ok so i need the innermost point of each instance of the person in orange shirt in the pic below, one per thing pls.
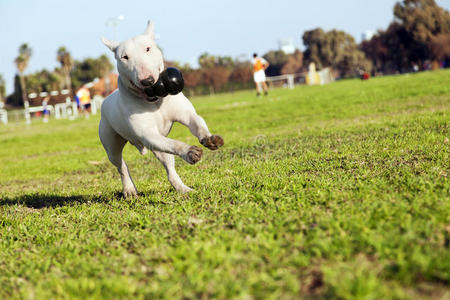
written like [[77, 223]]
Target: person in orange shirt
[[259, 66]]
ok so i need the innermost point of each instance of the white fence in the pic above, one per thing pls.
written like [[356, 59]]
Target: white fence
[[311, 77], [288, 78], [3, 116], [65, 110], [287, 81]]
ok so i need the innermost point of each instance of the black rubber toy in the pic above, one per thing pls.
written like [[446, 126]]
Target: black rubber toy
[[170, 82]]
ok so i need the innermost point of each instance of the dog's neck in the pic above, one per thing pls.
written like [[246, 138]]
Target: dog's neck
[[124, 88]]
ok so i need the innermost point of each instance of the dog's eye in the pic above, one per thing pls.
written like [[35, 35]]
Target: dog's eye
[[125, 57], [148, 49]]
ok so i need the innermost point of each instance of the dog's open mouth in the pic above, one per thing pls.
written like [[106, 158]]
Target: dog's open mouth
[[141, 92], [135, 87]]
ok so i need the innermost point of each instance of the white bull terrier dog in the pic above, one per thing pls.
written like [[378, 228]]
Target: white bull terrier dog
[[129, 115]]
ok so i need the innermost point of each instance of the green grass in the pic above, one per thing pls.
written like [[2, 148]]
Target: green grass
[[337, 191]]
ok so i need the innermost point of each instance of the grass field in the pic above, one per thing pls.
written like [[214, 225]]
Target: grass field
[[333, 192]]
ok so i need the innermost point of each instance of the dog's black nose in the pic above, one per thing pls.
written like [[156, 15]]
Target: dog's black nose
[[148, 81]]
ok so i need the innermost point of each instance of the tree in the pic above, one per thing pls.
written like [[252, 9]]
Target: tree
[[192, 77], [242, 73], [22, 61], [43, 81], [16, 98], [376, 51], [294, 63], [206, 61], [336, 49], [440, 47], [282, 63], [2, 88], [276, 60], [419, 32], [313, 41], [216, 70], [423, 19], [403, 50], [65, 59], [90, 68], [216, 77]]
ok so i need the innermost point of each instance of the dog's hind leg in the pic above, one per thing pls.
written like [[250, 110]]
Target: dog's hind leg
[[168, 161], [113, 144]]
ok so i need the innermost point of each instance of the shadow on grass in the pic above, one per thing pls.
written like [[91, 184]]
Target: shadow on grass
[[38, 201], [48, 200]]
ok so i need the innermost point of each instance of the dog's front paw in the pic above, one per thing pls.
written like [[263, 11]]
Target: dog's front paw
[[212, 142], [193, 155], [183, 189], [130, 192]]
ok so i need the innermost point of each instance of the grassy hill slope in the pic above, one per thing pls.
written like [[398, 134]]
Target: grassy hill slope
[[337, 191]]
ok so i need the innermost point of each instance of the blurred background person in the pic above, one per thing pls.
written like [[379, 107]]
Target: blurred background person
[[45, 111], [84, 97], [259, 75]]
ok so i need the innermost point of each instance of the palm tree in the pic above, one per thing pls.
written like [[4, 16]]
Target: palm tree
[[66, 61], [22, 62]]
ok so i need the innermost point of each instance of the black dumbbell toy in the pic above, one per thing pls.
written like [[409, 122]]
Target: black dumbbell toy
[[170, 82]]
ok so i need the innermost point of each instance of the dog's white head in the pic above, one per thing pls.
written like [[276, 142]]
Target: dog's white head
[[139, 60]]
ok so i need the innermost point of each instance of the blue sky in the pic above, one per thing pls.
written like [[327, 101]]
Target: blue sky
[[186, 28]]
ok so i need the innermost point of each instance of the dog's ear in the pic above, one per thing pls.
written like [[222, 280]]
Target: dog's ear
[[110, 44], [150, 31]]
